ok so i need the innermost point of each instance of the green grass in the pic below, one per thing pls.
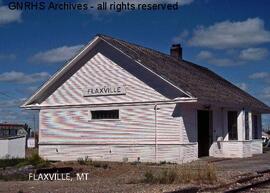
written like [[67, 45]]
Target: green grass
[[10, 162], [204, 173], [34, 160], [90, 162]]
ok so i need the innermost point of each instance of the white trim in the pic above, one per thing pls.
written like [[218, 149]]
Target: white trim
[[120, 144], [58, 73], [76, 58], [180, 100], [148, 69]]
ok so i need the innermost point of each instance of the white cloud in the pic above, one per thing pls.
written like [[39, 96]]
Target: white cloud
[[211, 58], [259, 75], [253, 54], [229, 34], [11, 103], [27, 90], [22, 78], [233, 58], [181, 37], [55, 55], [263, 76], [9, 16], [11, 113], [204, 55], [243, 86], [265, 93]]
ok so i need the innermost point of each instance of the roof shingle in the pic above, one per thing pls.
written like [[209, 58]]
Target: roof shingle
[[199, 81]]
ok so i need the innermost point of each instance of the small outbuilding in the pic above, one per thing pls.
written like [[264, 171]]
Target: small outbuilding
[[117, 101]]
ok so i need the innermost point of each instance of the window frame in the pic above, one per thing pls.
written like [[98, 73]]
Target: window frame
[[103, 119]]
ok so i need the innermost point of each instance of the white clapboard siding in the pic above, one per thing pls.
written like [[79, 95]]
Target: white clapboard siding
[[101, 71], [233, 149], [69, 133], [257, 146], [12, 148], [145, 153], [135, 126]]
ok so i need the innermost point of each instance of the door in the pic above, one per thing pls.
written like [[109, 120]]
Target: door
[[204, 119]]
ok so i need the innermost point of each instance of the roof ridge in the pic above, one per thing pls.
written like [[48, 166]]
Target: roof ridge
[[153, 50], [131, 43], [201, 72]]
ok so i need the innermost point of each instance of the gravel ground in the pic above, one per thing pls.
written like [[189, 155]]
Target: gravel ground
[[125, 177], [97, 186]]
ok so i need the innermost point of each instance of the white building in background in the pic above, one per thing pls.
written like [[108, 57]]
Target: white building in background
[[12, 147], [31, 142], [116, 100]]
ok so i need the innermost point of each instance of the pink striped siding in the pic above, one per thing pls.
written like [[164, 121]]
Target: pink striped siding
[[132, 136], [146, 153], [67, 133], [136, 126], [100, 71]]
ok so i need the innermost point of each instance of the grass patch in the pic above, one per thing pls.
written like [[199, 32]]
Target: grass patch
[[34, 160], [90, 162], [85, 161], [9, 162], [205, 173]]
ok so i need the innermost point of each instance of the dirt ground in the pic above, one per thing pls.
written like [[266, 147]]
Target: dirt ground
[[126, 177]]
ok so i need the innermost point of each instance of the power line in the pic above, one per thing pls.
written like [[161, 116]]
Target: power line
[[4, 94], [7, 95]]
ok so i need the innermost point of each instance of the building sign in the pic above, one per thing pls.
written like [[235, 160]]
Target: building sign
[[104, 90]]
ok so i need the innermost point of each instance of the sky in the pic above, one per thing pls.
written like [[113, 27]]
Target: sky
[[230, 37]]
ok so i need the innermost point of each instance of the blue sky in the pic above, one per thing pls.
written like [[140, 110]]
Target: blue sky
[[230, 37]]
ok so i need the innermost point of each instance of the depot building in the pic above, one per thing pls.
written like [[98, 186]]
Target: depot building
[[118, 101]]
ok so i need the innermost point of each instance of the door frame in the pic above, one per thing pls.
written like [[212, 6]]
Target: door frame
[[202, 153]]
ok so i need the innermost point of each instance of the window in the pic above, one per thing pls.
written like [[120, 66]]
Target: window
[[232, 125], [13, 132], [105, 114], [4, 132], [246, 126]]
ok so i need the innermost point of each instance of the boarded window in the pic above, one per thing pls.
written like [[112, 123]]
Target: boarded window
[[232, 125], [105, 114]]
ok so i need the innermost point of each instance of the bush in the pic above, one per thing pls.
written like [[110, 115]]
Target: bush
[[182, 174], [84, 161], [167, 177], [81, 161], [34, 160], [148, 177], [10, 162]]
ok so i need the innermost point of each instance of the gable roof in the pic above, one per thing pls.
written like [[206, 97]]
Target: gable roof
[[199, 82]]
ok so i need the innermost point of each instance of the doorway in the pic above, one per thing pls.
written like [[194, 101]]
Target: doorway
[[205, 138]]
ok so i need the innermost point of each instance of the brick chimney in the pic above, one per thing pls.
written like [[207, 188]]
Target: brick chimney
[[176, 51]]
